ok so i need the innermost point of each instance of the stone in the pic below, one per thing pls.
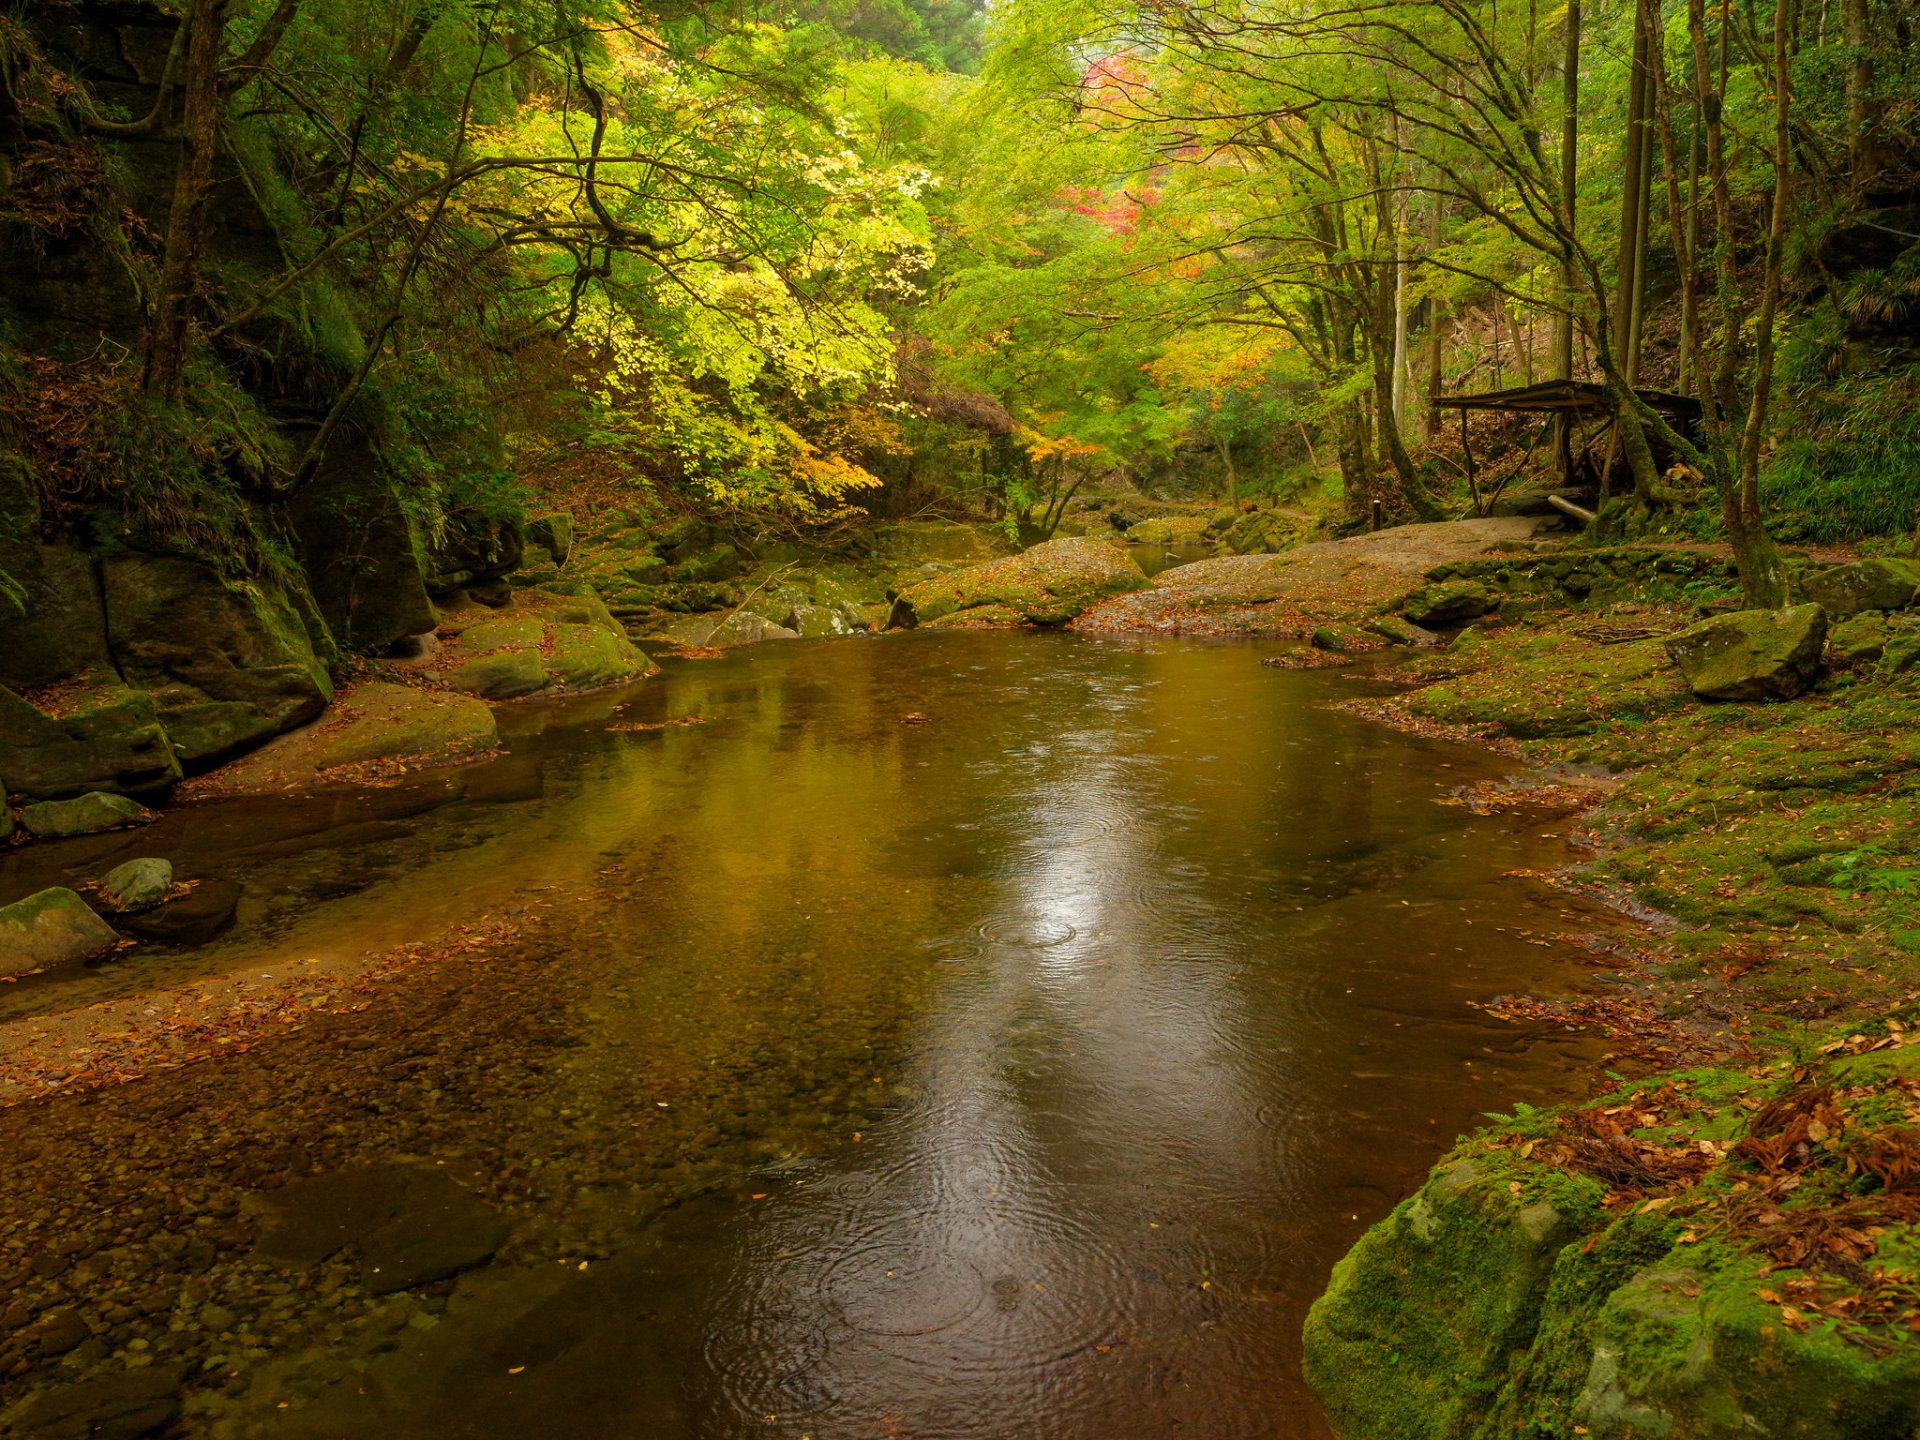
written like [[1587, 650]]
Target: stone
[[408, 1225], [1343, 640], [813, 622], [1871, 584], [61, 629], [1902, 653], [718, 562], [137, 885], [228, 665], [1397, 631], [360, 550], [107, 737], [473, 550], [1047, 585], [194, 918], [6, 817], [743, 627], [123, 1406], [377, 721], [54, 927], [553, 534], [88, 814], [1448, 602], [1752, 654], [1859, 640]]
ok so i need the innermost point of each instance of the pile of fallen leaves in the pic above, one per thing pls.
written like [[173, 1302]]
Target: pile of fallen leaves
[[1542, 796], [1823, 1170]]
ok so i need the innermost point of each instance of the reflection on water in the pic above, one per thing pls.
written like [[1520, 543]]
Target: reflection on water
[[1155, 558], [1018, 1073]]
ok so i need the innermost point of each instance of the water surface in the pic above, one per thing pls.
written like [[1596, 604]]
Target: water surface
[[956, 1036]]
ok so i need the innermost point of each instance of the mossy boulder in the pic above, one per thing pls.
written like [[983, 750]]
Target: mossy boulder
[[1262, 532], [813, 622], [360, 549], [1752, 654], [53, 927], [105, 737], [1535, 685], [1902, 653], [61, 631], [380, 724], [229, 664], [1168, 530], [553, 534], [1414, 1336], [1860, 640], [474, 549], [1447, 602], [1872, 584], [560, 637], [717, 562], [1396, 631], [89, 814], [1345, 640], [1047, 585]]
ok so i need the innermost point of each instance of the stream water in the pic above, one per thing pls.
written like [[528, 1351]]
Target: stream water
[[955, 1035]]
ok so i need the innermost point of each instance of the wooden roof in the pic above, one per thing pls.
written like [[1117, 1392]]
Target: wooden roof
[[1583, 397]]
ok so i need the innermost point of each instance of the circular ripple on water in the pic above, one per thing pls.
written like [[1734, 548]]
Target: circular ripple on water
[[776, 1352], [883, 1286], [1027, 932]]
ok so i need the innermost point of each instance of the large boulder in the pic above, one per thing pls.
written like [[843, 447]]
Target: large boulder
[[193, 918], [1872, 584], [380, 725], [361, 551], [228, 665], [59, 630], [105, 737], [563, 638], [1752, 654], [53, 927], [475, 549], [1448, 602], [90, 814], [1047, 585]]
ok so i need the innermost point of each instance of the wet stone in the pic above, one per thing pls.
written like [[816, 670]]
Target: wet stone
[[117, 1407], [137, 885], [193, 919], [408, 1225]]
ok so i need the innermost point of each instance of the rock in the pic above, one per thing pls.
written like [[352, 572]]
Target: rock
[[360, 550], [409, 1225], [1752, 654], [1343, 640], [53, 927], [1397, 631], [1872, 584], [812, 622], [90, 814], [553, 534], [1262, 532], [194, 918], [1448, 602], [137, 885], [1902, 653], [1168, 530], [560, 637], [473, 550], [123, 1406], [62, 630], [1858, 641], [745, 628], [1047, 585], [228, 666], [718, 562], [106, 738], [372, 722]]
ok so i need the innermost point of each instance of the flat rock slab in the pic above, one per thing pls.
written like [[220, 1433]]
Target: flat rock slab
[[90, 814], [1294, 593], [409, 1225], [119, 1407], [190, 919], [376, 722]]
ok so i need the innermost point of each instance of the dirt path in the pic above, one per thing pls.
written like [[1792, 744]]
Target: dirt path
[[1294, 592]]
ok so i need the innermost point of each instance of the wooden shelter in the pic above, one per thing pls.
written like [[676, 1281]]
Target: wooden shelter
[[1587, 409]]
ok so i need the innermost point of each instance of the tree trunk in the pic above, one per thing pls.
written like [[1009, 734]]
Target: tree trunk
[[167, 339], [1862, 111]]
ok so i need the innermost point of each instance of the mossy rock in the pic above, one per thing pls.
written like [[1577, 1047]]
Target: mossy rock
[[1537, 685], [1860, 640], [1047, 585], [1752, 654], [376, 722], [107, 737], [1875, 583], [90, 814], [62, 629], [1414, 1336], [1396, 631], [1447, 602], [53, 927]]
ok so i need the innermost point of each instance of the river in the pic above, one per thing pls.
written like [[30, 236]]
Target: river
[[950, 1036]]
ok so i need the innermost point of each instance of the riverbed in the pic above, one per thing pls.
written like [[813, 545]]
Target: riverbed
[[945, 1035]]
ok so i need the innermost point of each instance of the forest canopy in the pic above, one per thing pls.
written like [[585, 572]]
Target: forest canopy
[[791, 263]]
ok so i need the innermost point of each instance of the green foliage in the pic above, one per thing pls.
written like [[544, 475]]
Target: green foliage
[[1848, 463]]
